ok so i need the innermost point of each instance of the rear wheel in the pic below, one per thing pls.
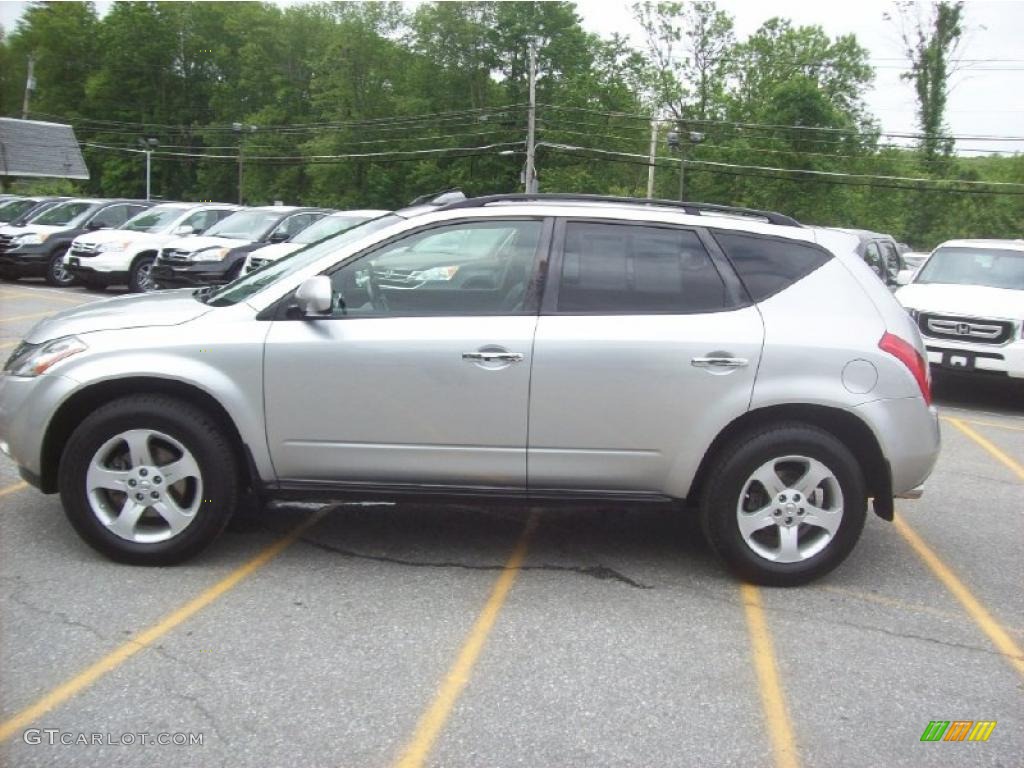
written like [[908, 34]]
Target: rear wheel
[[149, 480], [784, 505], [56, 273], [139, 279]]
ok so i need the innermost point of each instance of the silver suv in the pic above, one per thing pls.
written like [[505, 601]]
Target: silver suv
[[541, 346]]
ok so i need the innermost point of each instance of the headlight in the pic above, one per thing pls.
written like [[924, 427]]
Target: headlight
[[36, 359], [434, 273], [209, 254], [34, 238], [114, 245]]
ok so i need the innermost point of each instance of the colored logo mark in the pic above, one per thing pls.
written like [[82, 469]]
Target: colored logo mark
[[958, 730]]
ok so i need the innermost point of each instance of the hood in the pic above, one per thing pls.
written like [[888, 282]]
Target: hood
[[41, 228], [148, 309], [276, 250], [193, 243], [133, 241], [971, 300]]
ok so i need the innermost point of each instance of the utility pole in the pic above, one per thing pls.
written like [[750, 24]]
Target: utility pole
[[531, 125], [30, 85], [240, 129], [679, 140], [147, 146], [654, 152]]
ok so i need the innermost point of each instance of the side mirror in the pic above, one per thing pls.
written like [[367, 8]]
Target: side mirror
[[96, 224], [279, 237], [314, 296], [905, 276], [184, 229]]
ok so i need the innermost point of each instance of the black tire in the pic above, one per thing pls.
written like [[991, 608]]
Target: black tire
[[56, 275], [737, 463], [190, 426], [135, 277]]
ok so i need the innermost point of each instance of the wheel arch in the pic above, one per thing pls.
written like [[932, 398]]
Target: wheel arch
[[148, 252], [79, 405], [852, 431]]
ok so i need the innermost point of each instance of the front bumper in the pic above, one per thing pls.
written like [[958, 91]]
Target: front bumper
[[105, 266], [25, 261], [26, 406], [190, 275], [965, 357]]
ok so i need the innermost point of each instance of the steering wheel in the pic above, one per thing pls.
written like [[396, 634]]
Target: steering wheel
[[377, 300]]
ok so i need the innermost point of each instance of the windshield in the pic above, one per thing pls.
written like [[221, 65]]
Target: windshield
[[12, 209], [256, 281], [245, 225], [326, 227], [991, 267], [155, 219], [65, 213]]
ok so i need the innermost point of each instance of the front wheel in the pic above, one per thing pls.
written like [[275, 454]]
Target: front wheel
[[784, 505], [148, 480], [56, 273], [140, 280]]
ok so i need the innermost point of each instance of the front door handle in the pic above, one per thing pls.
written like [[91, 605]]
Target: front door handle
[[719, 362], [493, 357]]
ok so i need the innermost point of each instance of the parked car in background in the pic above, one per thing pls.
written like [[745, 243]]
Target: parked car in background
[[124, 256], [17, 213], [912, 262], [218, 256], [728, 358], [328, 226], [968, 302], [38, 248], [880, 252]]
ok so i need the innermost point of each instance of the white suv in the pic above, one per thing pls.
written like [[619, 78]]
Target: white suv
[[125, 255], [968, 302]]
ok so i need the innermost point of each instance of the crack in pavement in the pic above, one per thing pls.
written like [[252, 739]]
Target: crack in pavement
[[59, 615], [206, 713], [601, 572]]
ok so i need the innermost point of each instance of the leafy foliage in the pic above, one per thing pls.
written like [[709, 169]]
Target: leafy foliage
[[371, 104]]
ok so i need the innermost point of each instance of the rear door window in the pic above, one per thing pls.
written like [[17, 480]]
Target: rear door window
[[626, 268]]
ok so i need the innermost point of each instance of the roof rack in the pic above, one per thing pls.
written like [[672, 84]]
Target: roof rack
[[694, 209]]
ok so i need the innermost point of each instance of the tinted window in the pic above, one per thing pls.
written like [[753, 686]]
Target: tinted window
[[480, 268], [64, 213], [295, 224], [621, 268], [767, 265]]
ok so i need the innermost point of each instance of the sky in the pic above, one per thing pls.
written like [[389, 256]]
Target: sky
[[979, 104]]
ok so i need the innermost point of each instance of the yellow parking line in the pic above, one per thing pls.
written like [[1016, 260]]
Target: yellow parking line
[[1016, 468], [430, 724], [996, 424], [146, 638], [14, 488], [999, 637], [25, 317], [772, 700]]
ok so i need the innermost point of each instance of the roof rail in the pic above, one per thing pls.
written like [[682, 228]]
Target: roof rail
[[694, 209]]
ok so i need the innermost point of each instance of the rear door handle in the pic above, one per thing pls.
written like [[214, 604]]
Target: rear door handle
[[493, 357], [719, 362]]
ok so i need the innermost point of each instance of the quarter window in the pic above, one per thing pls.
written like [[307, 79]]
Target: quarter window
[[766, 265], [632, 269], [479, 268]]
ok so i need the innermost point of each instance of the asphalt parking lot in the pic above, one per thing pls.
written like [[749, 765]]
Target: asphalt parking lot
[[383, 635]]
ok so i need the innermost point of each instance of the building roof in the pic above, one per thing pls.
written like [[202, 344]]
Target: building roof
[[36, 148]]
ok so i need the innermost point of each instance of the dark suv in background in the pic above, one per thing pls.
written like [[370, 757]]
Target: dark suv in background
[[38, 249], [217, 257], [881, 252]]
